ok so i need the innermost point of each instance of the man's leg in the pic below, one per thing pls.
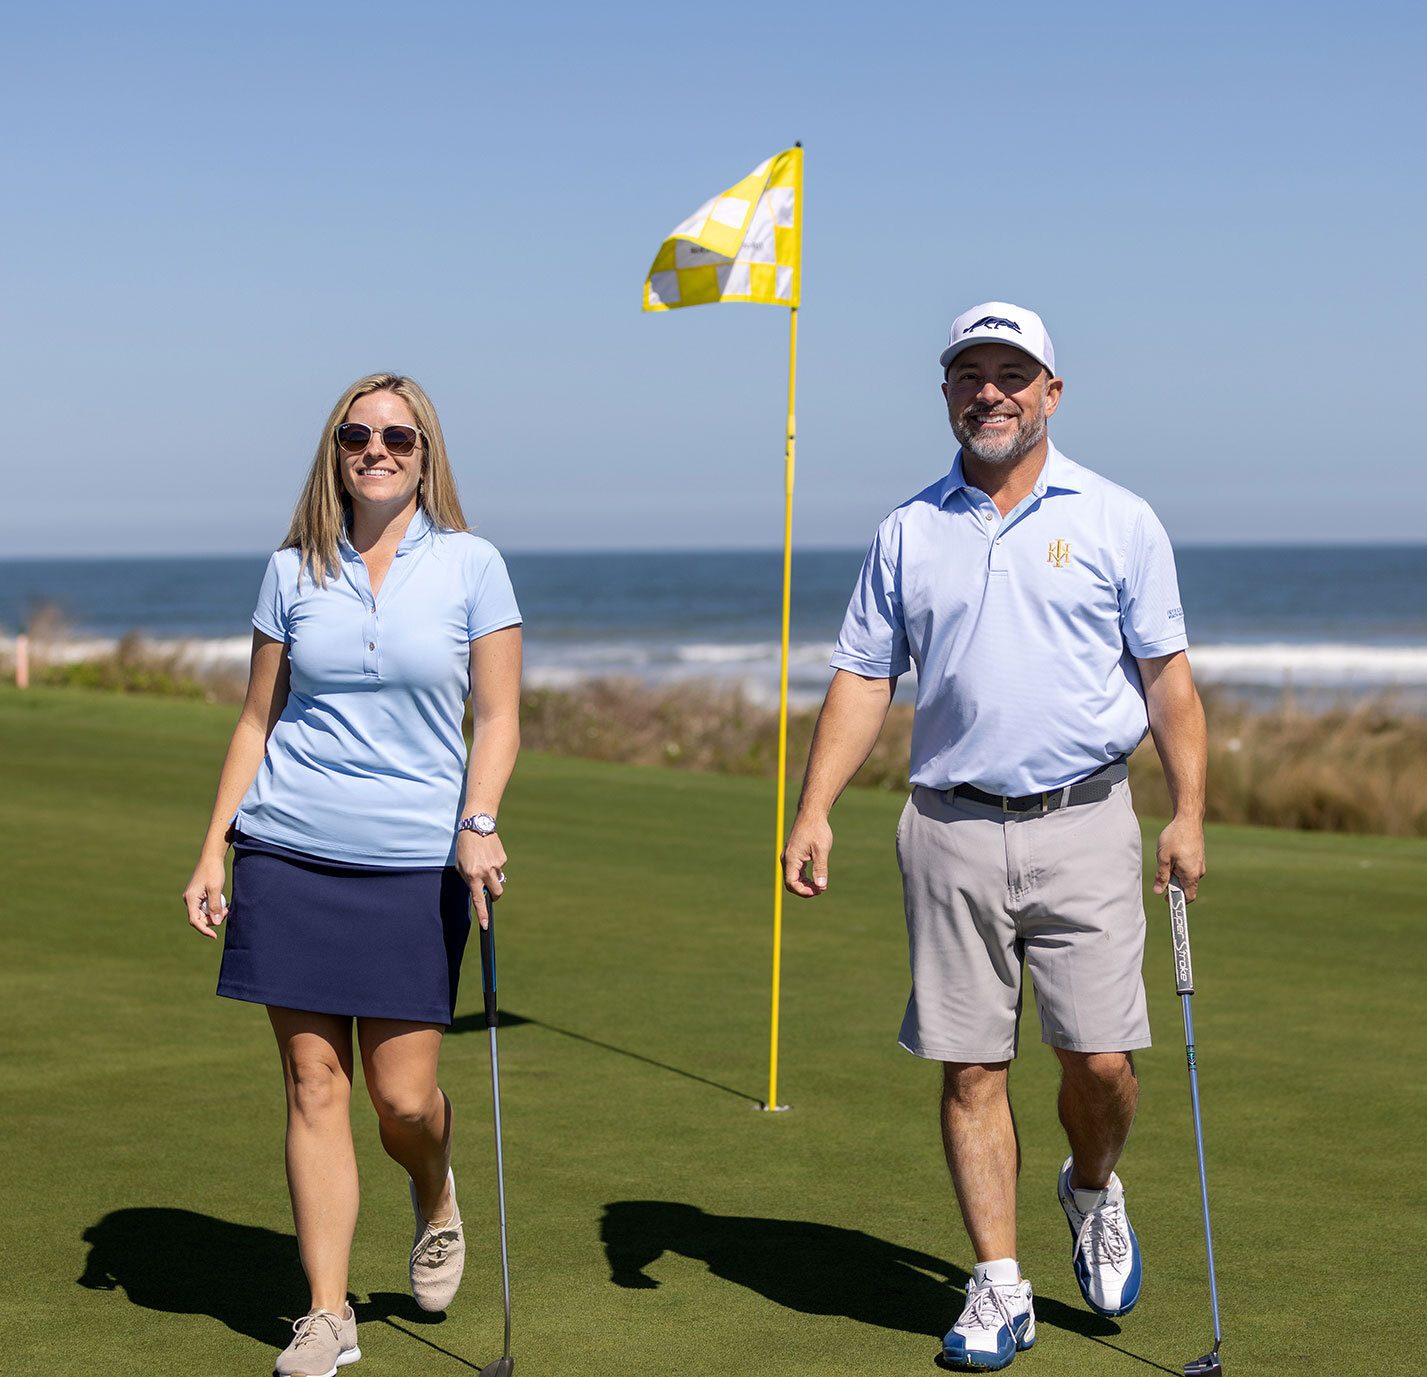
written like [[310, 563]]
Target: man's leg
[[1084, 931], [966, 989], [983, 1153], [1098, 1095]]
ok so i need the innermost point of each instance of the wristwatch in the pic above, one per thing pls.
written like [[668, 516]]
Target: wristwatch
[[482, 824]]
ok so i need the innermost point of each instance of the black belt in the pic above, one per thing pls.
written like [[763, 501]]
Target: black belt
[[1094, 788]]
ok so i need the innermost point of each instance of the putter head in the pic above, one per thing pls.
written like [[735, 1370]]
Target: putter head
[[502, 1367], [1207, 1366]]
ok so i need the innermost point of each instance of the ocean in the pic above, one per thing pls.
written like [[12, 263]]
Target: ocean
[[1328, 623]]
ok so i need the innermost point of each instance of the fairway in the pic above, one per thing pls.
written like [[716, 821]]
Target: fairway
[[658, 1223]]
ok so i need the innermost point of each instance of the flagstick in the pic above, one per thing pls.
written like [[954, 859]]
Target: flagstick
[[772, 1101]]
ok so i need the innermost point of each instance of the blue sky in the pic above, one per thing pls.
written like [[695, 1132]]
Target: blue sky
[[218, 215]]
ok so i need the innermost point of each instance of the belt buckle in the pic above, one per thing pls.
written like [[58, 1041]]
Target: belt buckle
[[1005, 803]]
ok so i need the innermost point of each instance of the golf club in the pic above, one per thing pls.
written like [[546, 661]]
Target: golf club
[[503, 1366], [1209, 1365]]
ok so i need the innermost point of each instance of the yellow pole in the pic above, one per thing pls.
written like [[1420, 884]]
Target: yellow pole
[[772, 1102]]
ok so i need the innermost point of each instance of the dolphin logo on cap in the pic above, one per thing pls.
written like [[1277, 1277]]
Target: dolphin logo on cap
[[992, 323]]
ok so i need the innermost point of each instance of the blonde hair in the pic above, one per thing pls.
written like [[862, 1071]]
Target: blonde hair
[[321, 512]]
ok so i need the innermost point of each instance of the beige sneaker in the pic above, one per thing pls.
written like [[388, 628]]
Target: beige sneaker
[[438, 1255], [322, 1342]]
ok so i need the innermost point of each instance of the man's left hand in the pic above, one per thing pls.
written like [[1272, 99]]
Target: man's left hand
[[1180, 853]]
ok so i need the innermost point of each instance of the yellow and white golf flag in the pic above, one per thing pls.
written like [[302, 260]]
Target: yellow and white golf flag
[[745, 245]]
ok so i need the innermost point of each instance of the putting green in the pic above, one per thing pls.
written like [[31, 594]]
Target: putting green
[[659, 1223]]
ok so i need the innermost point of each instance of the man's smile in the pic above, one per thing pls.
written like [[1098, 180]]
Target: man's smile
[[994, 420]]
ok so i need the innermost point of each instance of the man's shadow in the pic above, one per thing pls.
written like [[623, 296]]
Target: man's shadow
[[243, 1276], [817, 1269]]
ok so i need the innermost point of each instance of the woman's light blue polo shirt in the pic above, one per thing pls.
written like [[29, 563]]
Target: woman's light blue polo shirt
[[367, 762], [1024, 629]]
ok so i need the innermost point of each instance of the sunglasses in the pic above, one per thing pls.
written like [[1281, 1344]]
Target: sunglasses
[[354, 437]]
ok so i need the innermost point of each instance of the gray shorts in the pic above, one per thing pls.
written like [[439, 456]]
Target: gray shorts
[[985, 891]]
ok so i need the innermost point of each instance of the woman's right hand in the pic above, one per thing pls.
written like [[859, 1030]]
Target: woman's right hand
[[206, 885]]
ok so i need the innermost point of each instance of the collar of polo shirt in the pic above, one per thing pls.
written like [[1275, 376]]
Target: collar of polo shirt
[[1057, 472], [417, 530]]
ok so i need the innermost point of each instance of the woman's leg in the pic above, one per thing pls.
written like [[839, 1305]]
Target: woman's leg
[[316, 1051], [399, 1061]]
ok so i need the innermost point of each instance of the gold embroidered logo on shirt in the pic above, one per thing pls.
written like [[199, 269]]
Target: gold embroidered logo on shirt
[[1058, 554]]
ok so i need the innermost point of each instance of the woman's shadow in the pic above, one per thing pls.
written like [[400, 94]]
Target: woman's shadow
[[183, 1263]]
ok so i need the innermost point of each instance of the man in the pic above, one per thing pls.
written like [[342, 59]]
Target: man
[[1039, 603]]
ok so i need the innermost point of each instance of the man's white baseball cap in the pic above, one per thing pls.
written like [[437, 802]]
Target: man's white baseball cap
[[998, 322]]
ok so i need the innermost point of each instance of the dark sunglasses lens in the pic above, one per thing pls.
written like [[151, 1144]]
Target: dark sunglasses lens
[[351, 435], [399, 439]]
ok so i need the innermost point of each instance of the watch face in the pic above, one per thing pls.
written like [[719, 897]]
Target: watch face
[[484, 824]]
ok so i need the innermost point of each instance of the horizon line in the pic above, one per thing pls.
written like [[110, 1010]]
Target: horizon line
[[816, 547]]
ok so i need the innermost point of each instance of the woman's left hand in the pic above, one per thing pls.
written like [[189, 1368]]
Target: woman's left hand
[[480, 861]]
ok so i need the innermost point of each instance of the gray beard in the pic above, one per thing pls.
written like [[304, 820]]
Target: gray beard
[[1002, 449]]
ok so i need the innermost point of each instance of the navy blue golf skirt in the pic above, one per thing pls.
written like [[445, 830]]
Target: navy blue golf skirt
[[308, 933]]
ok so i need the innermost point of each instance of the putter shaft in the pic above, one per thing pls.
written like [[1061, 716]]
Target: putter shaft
[[1203, 1175], [505, 1365], [1184, 987], [500, 1189]]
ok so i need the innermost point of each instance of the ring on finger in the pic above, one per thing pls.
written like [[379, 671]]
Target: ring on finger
[[500, 877]]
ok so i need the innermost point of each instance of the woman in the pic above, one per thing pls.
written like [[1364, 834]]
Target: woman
[[362, 838]]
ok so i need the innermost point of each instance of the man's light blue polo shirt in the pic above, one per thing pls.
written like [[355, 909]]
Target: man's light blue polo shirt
[[367, 762], [1024, 630]]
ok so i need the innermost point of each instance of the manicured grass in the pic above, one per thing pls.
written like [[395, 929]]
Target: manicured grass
[[658, 1223]]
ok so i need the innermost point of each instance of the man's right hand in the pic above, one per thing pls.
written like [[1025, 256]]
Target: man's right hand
[[805, 856], [852, 715]]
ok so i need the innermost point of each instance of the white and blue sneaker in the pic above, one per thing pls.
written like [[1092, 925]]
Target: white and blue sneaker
[[996, 1323], [1105, 1251]]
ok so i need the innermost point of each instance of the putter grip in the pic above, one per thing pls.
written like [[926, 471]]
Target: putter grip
[[1179, 931], [488, 965]]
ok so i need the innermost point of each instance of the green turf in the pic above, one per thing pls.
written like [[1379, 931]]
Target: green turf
[[658, 1222]]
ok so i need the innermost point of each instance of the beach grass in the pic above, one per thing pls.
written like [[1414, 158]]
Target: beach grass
[[659, 1222], [1359, 766]]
